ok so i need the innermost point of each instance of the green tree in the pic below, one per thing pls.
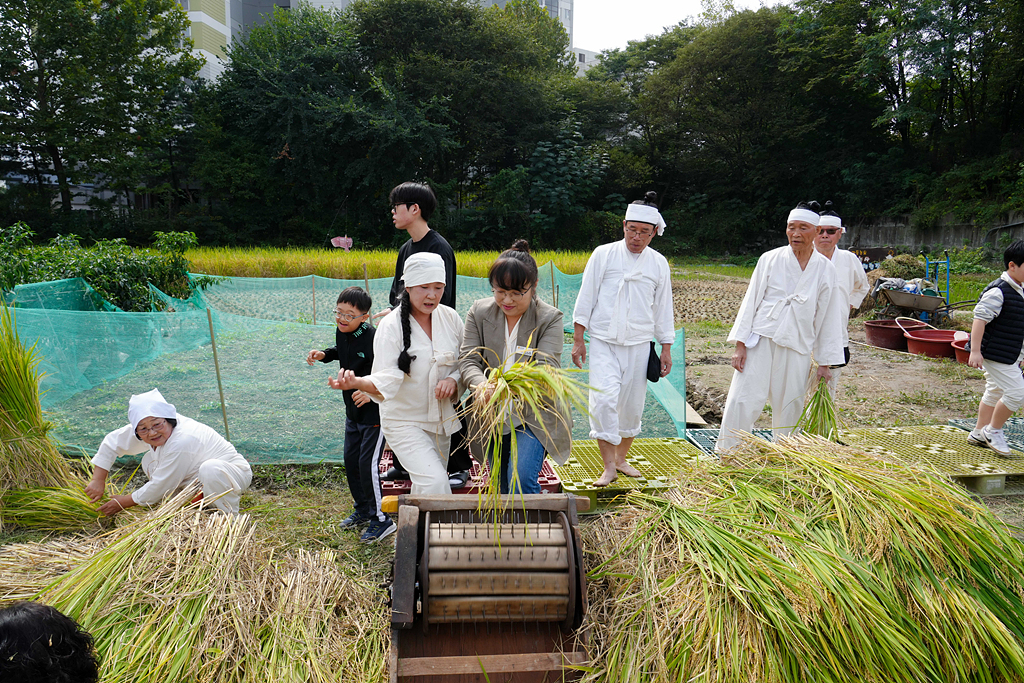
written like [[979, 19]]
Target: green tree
[[83, 85]]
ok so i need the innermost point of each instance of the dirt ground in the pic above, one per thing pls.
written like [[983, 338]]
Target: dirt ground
[[878, 388]]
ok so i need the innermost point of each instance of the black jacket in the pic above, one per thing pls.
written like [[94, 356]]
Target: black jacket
[[354, 351]]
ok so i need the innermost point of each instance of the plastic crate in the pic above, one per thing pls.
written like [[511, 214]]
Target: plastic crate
[[478, 476], [944, 447], [659, 461], [705, 439]]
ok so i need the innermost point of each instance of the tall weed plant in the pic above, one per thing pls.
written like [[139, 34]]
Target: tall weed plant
[[119, 273]]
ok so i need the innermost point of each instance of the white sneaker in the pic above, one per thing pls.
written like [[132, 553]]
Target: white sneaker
[[976, 438], [996, 441]]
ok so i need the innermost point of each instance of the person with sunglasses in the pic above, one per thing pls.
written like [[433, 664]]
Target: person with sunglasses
[[364, 442], [516, 326], [792, 310], [624, 302], [850, 278], [178, 450]]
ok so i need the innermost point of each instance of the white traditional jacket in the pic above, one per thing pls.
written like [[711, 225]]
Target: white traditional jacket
[[797, 309], [624, 298], [410, 398], [852, 282]]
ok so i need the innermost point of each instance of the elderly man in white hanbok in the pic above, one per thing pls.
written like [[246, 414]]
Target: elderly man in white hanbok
[[850, 278], [178, 450], [625, 301], [792, 309], [415, 375]]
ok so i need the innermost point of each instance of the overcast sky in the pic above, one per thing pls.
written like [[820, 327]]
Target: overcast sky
[[605, 24]]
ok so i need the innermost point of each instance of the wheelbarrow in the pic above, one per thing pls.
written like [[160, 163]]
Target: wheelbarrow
[[934, 309]]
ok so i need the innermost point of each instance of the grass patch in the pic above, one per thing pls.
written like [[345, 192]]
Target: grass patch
[[300, 262], [706, 328]]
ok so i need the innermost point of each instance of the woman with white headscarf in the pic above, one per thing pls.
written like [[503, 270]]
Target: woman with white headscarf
[[415, 375], [178, 450]]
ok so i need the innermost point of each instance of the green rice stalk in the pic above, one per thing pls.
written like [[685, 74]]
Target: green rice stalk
[[820, 416], [49, 508], [522, 388], [27, 456], [805, 561]]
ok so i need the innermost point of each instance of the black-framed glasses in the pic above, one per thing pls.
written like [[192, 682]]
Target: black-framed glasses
[[641, 233], [152, 429], [405, 204], [512, 294], [347, 317]]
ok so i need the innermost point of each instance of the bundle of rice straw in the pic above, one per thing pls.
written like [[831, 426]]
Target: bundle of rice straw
[[28, 458], [182, 595], [820, 416], [522, 387], [805, 561], [50, 508]]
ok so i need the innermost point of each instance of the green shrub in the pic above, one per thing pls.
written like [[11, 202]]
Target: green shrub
[[119, 273]]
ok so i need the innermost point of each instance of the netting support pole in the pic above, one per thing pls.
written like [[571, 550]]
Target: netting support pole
[[556, 295], [366, 278], [312, 279], [220, 385], [554, 299]]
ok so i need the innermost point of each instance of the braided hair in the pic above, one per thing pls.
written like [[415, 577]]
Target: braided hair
[[404, 359]]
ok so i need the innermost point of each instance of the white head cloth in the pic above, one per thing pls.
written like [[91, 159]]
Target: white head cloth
[[641, 213], [149, 404], [805, 215], [832, 222], [423, 268]]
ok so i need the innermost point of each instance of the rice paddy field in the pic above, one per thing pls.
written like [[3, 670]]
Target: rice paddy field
[[804, 561]]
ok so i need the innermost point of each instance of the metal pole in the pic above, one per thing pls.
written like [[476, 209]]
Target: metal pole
[[220, 386], [313, 280], [554, 299]]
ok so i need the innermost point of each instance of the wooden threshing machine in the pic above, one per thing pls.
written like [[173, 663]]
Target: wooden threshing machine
[[479, 599]]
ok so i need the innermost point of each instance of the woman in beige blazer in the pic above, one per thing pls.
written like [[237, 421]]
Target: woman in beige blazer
[[515, 325]]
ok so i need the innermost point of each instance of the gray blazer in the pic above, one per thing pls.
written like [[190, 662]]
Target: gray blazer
[[484, 337]]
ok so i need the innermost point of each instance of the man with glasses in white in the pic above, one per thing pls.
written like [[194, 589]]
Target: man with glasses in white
[[624, 302], [850, 279], [178, 450]]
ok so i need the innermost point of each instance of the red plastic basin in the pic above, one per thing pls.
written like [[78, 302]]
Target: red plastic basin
[[931, 343], [962, 354], [886, 334]]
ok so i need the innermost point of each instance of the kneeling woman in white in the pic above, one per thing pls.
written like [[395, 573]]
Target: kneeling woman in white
[[178, 451], [415, 375]]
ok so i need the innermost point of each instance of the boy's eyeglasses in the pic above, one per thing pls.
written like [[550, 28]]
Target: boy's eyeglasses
[[347, 317], [831, 231], [398, 204], [153, 428], [512, 294]]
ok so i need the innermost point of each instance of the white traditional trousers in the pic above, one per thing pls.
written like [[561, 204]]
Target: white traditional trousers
[[773, 374], [1003, 382], [618, 380], [223, 483], [423, 454]]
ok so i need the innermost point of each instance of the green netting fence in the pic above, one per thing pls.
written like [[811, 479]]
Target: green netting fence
[[279, 410]]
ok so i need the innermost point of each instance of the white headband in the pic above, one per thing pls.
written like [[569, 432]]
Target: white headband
[[641, 213], [832, 222], [805, 215], [149, 404], [423, 268]]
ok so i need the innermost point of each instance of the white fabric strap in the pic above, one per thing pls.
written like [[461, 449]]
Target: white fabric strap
[[641, 213], [776, 310], [423, 268], [805, 215]]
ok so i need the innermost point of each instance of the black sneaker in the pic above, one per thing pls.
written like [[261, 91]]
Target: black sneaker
[[378, 530], [395, 474], [354, 520]]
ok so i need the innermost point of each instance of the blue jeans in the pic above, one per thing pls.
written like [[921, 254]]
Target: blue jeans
[[529, 459]]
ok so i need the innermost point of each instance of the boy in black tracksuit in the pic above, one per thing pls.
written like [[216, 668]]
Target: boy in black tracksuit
[[364, 441]]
